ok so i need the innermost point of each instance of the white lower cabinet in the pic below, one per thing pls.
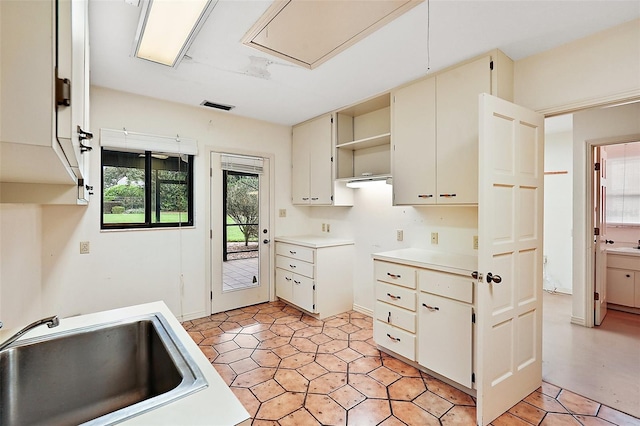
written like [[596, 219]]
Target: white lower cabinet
[[315, 274], [623, 280], [427, 315]]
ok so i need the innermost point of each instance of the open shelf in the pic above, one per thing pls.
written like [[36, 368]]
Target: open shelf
[[383, 139]]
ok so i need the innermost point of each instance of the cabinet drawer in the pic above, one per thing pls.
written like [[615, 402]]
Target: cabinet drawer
[[296, 252], [395, 274], [399, 341], [295, 265], [396, 316], [452, 286], [623, 262], [396, 295]]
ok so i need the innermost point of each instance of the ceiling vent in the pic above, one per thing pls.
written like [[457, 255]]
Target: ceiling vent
[[217, 106]]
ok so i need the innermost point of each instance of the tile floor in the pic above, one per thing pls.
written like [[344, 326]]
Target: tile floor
[[288, 368], [239, 273]]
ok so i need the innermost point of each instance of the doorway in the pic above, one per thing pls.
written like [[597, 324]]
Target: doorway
[[239, 231]]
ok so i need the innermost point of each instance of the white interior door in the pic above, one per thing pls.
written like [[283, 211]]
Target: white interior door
[[509, 288], [239, 281], [600, 237]]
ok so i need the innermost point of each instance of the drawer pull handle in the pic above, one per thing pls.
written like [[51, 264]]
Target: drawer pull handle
[[393, 297], [287, 278], [447, 195], [292, 252], [628, 276], [292, 266], [394, 276], [296, 281], [431, 308], [395, 339], [389, 318], [425, 195], [305, 198], [314, 198]]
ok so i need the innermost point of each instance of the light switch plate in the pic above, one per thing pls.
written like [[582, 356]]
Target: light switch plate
[[434, 238], [283, 213], [399, 235]]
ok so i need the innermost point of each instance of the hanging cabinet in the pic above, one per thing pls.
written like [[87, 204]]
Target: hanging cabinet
[[435, 131], [312, 180], [44, 102]]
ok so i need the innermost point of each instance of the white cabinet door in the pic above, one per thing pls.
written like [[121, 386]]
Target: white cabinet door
[[304, 292], [620, 287], [284, 284], [445, 342], [320, 166], [414, 144], [300, 176], [457, 93]]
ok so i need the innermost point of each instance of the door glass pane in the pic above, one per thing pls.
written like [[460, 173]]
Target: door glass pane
[[241, 230]]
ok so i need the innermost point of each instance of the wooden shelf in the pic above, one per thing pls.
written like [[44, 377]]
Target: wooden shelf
[[378, 140]]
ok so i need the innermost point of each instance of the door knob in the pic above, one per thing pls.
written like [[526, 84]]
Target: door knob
[[265, 241], [609, 241], [495, 278]]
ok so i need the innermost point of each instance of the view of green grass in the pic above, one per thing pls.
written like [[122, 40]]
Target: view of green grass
[[233, 232]]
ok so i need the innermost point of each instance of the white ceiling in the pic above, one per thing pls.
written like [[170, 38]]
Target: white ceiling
[[222, 70]]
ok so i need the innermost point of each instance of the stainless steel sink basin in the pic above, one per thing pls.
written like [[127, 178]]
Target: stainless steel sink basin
[[98, 375]]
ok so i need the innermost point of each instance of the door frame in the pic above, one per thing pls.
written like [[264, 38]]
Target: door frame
[[589, 266], [208, 150]]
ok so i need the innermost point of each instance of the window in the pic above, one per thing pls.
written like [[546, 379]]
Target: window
[[623, 191], [146, 189]]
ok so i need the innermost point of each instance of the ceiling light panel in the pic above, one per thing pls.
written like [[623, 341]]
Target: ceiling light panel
[[167, 28], [309, 32]]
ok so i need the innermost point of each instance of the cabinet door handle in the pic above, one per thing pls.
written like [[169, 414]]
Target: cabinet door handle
[[425, 195], [292, 266], [292, 252], [395, 339], [447, 195], [628, 276], [389, 318], [431, 308], [305, 198], [393, 297], [394, 276], [314, 198], [296, 281]]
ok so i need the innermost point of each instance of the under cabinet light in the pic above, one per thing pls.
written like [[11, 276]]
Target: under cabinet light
[[168, 27], [368, 183]]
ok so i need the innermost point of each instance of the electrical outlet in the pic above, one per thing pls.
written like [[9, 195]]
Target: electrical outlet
[[328, 228], [324, 227], [84, 247], [399, 235], [434, 238], [475, 242], [283, 213]]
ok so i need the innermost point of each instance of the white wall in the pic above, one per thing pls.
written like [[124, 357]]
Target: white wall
[[40, 245], [558, 211], [589, 125], [372, 223], [594, 70], [20, 267]]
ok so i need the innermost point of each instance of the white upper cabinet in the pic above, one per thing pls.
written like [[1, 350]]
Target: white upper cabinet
[[435, 132], [43, 101], [414, 143], [312, 180]]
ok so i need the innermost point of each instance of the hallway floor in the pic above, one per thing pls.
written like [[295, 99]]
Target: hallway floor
[[288, 368]]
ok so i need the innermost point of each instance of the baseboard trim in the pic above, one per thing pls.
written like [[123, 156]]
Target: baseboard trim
[[578, 321], [363, 310], [192, 316]]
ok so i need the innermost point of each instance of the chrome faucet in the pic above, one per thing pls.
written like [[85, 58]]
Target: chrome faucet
[[50, 321]]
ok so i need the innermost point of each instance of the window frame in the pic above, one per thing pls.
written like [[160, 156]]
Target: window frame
[[148, 199]]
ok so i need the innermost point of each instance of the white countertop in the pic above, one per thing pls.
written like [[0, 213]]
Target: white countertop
[[625, 251], [313, 241], [421, 258], [213, 405]]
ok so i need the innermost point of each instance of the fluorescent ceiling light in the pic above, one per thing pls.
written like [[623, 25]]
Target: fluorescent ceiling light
[[168, 27]]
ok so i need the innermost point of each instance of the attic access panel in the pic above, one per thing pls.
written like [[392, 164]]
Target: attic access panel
[[310, 32]]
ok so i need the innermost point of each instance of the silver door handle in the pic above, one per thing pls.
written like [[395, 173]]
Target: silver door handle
[[265, 241]]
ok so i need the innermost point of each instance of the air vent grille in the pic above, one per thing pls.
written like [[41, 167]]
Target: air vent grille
[[217, 106]]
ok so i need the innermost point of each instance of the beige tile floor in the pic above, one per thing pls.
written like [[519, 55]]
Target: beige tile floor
[[288, 368]]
